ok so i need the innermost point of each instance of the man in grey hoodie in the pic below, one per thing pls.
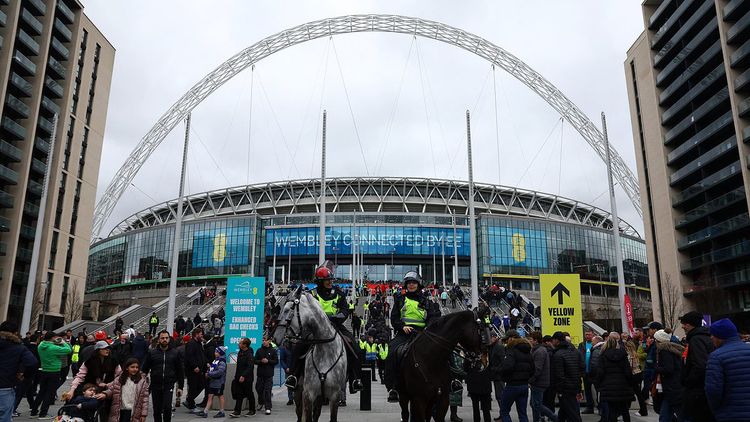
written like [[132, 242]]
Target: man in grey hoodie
[[540, 381]]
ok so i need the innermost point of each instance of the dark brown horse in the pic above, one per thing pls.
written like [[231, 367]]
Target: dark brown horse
[[425, 375]]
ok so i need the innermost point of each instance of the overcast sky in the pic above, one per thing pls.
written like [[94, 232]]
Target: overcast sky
[[407, 96]]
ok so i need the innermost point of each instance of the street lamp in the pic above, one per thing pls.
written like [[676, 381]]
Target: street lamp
[[335, 256]]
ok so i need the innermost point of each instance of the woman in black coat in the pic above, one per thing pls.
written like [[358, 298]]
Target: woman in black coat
[[615, 379], [669, 368], [479, 387]]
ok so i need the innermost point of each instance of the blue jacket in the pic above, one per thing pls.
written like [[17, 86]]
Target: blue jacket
[[728, 381], [16, 359], [217, 373]]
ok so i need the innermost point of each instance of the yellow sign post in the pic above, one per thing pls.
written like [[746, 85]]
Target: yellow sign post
[[561, 305]]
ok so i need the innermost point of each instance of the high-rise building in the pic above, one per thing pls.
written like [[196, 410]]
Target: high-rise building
[[55, 74], [688, 81]]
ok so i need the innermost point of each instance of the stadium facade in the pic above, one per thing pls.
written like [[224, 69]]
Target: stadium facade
[[397, 224]]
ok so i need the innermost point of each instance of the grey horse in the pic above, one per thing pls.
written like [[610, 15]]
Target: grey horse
[[301, 319]]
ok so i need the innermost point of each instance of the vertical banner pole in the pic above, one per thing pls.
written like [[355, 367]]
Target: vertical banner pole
[[322, 240], [472, 222]]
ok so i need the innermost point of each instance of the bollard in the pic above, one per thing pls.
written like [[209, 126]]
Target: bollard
[[365, 396]]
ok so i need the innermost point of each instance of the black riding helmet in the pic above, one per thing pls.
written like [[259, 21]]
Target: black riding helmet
[[412, 277]]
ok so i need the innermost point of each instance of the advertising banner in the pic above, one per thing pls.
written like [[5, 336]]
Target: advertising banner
[[244, 312], [629, 314], [221, 247], [561, 305], [518, 247]]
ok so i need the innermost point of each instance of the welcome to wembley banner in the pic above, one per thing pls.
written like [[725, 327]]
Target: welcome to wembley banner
[[244, 312]]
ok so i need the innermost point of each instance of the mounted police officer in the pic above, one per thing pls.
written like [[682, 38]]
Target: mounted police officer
[[333, 302], [411, 313]]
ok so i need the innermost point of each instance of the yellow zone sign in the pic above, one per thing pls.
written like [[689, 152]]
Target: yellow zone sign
[[561, 305]]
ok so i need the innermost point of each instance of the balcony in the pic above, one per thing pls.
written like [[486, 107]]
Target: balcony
[[35, 189], [10, 152], [707, 133], [41, 145], [742, 82], [676, 64], [3, 19], [23, 255], [38, 6], [739, 30], [27, 42], [30, 209], [680, 84], [661, 36], [39, 167], [743, 108], [63, 30], [659, 14], [65, 12], [741, 56], [13, 128], [22, 87], [727, 226], [27, 232], [60, 49], [718, 204], [716, 256], [695, 94], [734, 9], [8, 176], [730, 145], [25, 66], [717, 100], [50, 106], [16, 107], [53, 87], [57, 68], [707, 183], [45, 124], [4, 224], [33, 24], [3, 249], [6, 199]]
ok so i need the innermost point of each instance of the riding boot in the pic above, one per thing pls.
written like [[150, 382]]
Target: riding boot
[[355, 384], [298, 365]]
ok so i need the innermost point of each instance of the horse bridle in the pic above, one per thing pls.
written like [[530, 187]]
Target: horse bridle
[[300, 337], [458, 349]]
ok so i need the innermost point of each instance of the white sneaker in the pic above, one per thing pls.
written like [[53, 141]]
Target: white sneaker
[[268, 411]]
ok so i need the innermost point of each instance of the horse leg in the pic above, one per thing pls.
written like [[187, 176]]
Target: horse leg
[[403, 401], [317, 406], [334, 406], [443, 403], [418, 411], [307, 408]]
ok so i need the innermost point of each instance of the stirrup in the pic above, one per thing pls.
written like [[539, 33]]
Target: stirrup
[[291, 382], [456, 386], [393, 396], [355, 386]]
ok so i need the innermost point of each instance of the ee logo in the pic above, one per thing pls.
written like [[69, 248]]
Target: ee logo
[[519, 247]]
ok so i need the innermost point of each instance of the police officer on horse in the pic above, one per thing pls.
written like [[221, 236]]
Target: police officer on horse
[[411, 313], [333, 302]]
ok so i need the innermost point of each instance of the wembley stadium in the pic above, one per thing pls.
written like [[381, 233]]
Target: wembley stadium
[[393, 225]]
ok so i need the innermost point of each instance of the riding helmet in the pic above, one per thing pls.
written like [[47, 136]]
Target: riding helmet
[[324, 272], [413, 276]]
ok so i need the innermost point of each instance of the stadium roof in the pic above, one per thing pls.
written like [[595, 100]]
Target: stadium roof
[[373, 194]]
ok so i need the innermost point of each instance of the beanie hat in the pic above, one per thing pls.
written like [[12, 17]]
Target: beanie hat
[[662, 336], [693, 318], [221, 350], [9, 326], [655, 325], [723, 329]]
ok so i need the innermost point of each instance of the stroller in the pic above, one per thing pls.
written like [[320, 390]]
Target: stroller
[[71, 413]]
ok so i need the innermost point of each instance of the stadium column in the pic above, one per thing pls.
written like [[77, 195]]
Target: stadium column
[[472, 223], [177, 233], [322, 218]]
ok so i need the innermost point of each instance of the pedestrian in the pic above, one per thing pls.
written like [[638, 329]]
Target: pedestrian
[[76, 354], [596, 353], [28, 385], [16, 359], [540, 380], [496, 356], [99, 369], [285, 360], [242, 385], [382, 356], [694, 404], [165, 367], [356, 325], [668, 401], [566, 369], [584, 348], [727, 374], [635, 368], [615, 379], [217, 376], [517, 369], [51, 351], [195, 369], [83, 407], [479, 387], [139, 347], [179, 325], [153, 324], [506, 322], [648, 352], [455, 398], [266, 359], [122, 350], [129, 394]]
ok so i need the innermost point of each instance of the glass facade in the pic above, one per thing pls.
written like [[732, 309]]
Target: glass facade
[[391, 245]]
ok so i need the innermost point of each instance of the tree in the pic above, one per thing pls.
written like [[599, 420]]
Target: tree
[[37, 306], [671, 296], [73, 305]]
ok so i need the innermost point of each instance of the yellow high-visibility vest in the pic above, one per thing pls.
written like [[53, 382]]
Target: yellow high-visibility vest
[[412, 315], [371, 352]]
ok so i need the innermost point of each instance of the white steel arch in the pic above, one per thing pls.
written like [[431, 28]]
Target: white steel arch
[[346, 25]]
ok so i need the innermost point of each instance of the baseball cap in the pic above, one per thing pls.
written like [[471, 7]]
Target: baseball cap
[[101, 345]]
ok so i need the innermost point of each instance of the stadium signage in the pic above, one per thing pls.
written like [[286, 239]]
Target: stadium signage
[[244, 312], [561, 304]]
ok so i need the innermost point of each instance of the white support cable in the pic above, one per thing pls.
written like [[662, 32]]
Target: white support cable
[[211, 156], [497, 128], [279, 128], [528, 167], [346, 25], [426, 112], [250, 123]]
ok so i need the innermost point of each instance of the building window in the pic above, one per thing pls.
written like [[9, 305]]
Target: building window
[[69, 142], [64, 297], [69, 256], [74, 214], [79, 70], [92, 87], [53, 250], [47, 292], [82, 155]]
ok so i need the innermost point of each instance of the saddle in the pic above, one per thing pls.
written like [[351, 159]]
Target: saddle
[[401, 351]]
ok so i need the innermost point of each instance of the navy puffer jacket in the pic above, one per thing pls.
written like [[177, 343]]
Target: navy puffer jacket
[[728, 381]]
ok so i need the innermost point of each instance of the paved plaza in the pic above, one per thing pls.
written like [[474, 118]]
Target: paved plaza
[[381, 410]]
